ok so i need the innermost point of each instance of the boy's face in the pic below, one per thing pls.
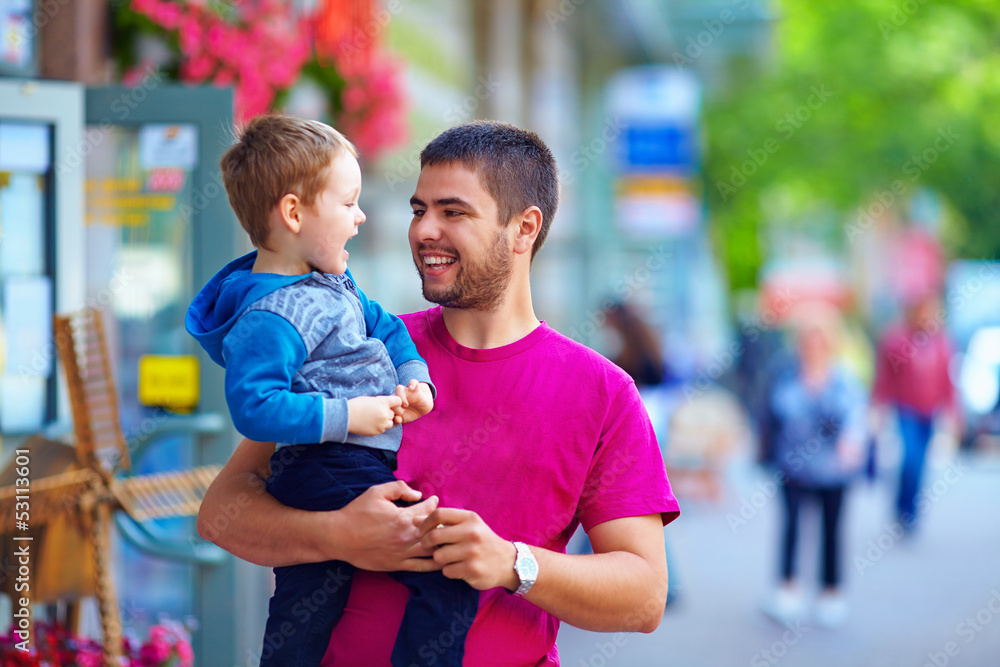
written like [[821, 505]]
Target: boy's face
[[333, 218], [464, 257]]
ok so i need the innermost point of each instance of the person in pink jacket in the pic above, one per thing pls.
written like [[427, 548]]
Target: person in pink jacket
[[911, 376]]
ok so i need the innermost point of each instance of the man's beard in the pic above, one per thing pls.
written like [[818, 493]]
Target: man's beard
[[477, 285]]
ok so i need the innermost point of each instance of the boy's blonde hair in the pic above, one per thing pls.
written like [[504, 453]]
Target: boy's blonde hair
[[275, 155]]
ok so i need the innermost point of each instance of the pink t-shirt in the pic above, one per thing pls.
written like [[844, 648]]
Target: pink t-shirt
[[537, 437]]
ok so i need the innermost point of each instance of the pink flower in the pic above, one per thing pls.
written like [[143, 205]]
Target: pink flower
[[224, 77], [154, 652], [353, 98], [166, 14], [190, 36], [185, 653], [217, 39], [159, 633], [197, 69], [143, 6], [87, 657]]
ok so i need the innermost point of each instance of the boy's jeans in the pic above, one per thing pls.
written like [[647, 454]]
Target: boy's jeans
[[310, 598]]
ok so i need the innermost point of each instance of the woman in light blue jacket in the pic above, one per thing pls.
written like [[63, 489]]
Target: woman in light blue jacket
[[815, 424]]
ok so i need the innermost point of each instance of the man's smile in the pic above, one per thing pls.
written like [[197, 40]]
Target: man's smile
[[436, 264]]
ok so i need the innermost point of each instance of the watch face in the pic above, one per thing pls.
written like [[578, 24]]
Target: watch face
[[527, 568]]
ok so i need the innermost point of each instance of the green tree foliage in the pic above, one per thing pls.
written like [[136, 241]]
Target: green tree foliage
[[862, 101]]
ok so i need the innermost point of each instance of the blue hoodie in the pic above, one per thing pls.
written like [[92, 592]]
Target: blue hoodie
[[295, 348]]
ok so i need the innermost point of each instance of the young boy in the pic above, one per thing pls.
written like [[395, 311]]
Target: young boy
[[316, 367]]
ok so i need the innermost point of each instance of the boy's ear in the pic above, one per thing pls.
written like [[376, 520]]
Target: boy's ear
[[290, 212]]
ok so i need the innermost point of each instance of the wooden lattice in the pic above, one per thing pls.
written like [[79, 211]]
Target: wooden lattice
[[167, 494], [83, 348]]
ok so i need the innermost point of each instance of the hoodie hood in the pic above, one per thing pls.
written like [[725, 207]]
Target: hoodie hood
[[221, 302]]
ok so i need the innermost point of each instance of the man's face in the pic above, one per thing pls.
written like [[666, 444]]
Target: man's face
[[463, 256]]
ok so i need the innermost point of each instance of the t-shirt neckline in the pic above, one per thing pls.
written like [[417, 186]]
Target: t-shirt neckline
[[435, 318]]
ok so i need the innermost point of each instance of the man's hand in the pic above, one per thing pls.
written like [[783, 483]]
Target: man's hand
[[466, 548], [382, 537], [416, 399], [371, 415]]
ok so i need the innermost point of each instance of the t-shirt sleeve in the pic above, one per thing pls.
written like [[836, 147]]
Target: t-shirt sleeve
[[626, 476]]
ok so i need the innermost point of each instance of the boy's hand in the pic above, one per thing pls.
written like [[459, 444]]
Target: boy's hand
[[416, 401], [371, 415], [850, 455]]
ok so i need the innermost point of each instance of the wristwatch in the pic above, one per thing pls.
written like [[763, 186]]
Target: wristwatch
[[526, 568]]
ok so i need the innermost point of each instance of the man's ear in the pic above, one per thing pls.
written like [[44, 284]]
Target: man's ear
[[529, 223], [290, 212]]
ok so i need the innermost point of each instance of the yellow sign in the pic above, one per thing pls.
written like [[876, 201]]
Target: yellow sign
[[121, 201], [170, 381]]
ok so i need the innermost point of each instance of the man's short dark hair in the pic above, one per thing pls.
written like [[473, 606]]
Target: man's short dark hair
[[514, 166]]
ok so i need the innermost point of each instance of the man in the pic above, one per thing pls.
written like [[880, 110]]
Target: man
[[531, 435]]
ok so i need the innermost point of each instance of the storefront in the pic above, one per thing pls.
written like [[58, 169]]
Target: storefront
[[111, 198]]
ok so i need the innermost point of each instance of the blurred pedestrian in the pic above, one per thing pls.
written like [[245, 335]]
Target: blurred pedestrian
[[815, 424], [640, 355], [911, 376]]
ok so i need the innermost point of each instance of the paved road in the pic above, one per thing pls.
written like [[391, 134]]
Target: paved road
[[933, 600]]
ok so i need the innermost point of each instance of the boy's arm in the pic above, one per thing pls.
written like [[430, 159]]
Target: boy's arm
[[263, 352], [371, 532], [392, 332]]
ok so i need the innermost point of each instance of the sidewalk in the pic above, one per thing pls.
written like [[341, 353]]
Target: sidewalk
[[933, 600]]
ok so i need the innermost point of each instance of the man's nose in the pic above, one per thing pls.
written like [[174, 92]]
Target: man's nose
[[427, 228]]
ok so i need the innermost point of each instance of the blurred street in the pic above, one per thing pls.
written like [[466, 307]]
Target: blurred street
[[913, 599]]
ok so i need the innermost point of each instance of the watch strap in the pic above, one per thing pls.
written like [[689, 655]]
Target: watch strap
[[526, 568]]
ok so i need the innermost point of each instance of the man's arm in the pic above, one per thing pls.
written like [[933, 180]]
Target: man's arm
[[370, 532], [622, 587]]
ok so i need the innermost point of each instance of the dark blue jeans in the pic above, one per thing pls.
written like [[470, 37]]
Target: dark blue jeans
[[309, 599], [915, 430], [831, 499]]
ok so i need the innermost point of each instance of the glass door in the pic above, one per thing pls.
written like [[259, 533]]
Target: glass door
[[138, 249], [158, 226], [27, 380]]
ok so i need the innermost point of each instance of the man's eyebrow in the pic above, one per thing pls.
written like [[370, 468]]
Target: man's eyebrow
[[445, 201], [454, 201]]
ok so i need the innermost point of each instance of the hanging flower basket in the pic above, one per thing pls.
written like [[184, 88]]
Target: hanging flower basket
[[263, 48]]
